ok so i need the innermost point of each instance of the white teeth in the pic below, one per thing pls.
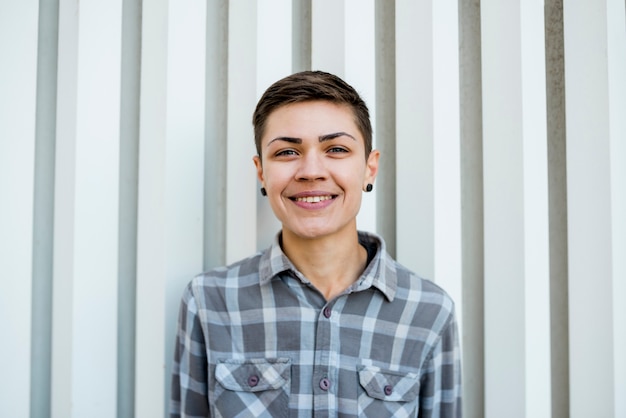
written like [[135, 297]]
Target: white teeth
[[313, 199]]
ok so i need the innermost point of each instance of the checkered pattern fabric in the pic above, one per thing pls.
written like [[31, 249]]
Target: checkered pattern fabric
[[256, 339]]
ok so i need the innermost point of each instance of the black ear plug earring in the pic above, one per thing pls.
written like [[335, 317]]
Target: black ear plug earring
[[263, 191], [369, 187]]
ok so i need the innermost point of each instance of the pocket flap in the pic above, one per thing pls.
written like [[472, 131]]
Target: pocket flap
[[253, 375], [389, 386]]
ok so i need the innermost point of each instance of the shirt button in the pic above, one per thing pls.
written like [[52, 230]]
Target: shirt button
[[253, 380], [324, 384], [327, 312], [388, 390]]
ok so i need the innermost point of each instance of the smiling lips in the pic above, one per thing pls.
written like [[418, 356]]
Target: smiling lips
[[312, 199]]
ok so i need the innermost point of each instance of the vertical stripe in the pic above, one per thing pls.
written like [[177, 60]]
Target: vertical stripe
[[18, 80], [535, 196], [385, 121], [215, 134], [129, 149], [63, 245], [328, 36], [616, 47], [150, 340], [472, 210], [241, 183], [43, 219], [96, 216], [301, 32], [414, 136], [556, 137], [503, 182], [593, 99]]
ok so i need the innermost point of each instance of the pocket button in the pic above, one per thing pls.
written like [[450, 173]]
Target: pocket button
[[253, 380]]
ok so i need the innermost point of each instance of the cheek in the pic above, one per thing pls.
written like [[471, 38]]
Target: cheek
[[357, 176], [275, 180]]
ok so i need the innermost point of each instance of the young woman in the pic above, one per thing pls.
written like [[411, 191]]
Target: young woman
[[324, 322]]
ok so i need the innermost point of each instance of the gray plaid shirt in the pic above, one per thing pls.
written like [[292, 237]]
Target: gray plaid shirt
[[255, 339]]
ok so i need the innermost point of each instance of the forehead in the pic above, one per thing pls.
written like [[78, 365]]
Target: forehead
[[311, 118]]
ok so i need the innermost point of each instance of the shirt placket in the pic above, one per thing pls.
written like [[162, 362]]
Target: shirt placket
[[324, 369]]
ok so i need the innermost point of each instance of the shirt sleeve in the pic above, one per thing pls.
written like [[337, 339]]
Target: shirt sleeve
[[440, 390], [189, 397]]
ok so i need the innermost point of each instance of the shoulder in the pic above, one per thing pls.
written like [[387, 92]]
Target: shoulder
[[431, 302], [407, 279], [399, 282], [427, 288], [239, 274]]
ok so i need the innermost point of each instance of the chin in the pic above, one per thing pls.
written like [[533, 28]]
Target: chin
[[314, 231], [309, 233]]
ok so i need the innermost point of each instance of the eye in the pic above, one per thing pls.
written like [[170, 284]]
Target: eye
[[286, 153], [336, 150]]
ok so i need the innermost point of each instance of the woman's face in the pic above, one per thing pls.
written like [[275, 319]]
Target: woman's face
[[313, 168]]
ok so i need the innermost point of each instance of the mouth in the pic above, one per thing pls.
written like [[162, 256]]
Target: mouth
[[312, 199]]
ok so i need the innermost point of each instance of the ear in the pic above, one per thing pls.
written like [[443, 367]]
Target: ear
[[259, 168], [371, 169]]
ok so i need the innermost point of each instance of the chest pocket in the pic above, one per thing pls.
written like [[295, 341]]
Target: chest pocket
[[253, 388], [387, 394]]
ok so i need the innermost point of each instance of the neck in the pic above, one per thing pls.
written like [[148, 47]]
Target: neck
[[331, 263]]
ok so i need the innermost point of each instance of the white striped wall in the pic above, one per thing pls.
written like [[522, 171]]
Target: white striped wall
[[126, 168]]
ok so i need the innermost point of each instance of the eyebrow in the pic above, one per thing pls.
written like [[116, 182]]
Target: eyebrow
[[321, 138]]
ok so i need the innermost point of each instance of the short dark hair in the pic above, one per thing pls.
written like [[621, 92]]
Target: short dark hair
[[307, 86]]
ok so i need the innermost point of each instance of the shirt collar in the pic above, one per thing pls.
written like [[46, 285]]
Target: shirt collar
[[379, 273]]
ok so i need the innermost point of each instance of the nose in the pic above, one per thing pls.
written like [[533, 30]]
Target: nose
[[311, 167]]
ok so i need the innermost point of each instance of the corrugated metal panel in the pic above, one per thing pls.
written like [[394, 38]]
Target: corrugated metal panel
[[150, 180]]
